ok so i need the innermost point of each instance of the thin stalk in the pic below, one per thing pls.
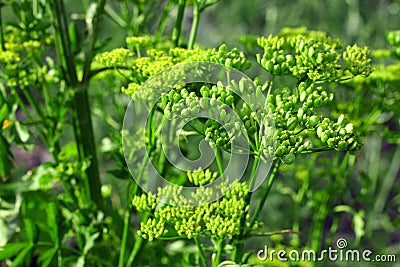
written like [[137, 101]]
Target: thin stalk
[[195, 24], [201, 252], [127, 219], [254, 170], [137, 248], [82, 117], [139, 242], [238, 244], [92, 28], [316, 234], [86, 140], [296, 216], [332, 231], [218, 158], [1, 30], [34, 104], [266, 193], [163, 20], [178, 24], [388, 183], [63, 43], [28, 115], [218, 255]]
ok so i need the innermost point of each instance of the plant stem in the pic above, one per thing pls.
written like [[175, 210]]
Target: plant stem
[[201, 252], [178, 24], [92, 28], [220, 247], [29, 116], [163, 20], [127, 219], [82, 115], [254, 171], [1, 30], [86, 141], [238, 244], [137, 248], [220, 165], [195, 24], [265, 195], [63, 43], [139, 242]]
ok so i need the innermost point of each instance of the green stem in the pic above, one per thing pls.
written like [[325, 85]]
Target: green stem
[[83, 121], [163, 20], [63, 43], [296, 216], [195, 24], [218, 255], [127, 219], [316, 235], [1, 30], [266, 193], [86, 140], [238, 244], [139, 243], [92, 28], [218, 158], [33, 103], [29, 116], [137, 248], [48, 130], [254, 171], [201, 252], [178, 24]]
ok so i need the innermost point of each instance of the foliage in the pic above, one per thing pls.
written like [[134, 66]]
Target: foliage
[[60, 88]]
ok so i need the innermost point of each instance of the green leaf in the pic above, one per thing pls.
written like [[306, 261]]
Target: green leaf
[[47, 257], [22, 131], [10, 250], [3, 112], [24, 258], [52, 222], [30, 229], [6, 158], [3, 231]]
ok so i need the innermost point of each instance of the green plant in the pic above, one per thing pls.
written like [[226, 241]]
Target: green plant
[[310, 61], [60, 83]]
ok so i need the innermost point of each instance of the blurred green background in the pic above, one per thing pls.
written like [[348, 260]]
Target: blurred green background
[[369, 200]]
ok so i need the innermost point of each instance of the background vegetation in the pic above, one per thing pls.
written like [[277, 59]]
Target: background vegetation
[[46, 184]]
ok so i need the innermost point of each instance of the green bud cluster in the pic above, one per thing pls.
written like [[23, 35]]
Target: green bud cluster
[[201, 177], [144, 41], [19, 61], [145, 202], [159, 59], [116, 57], [318, 61], [274, 59], [152, 229], [297, 122], [222, 127], [358, 60], [339, 135], [319, 36], [393, 38], [221, 218], [311, 56]]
